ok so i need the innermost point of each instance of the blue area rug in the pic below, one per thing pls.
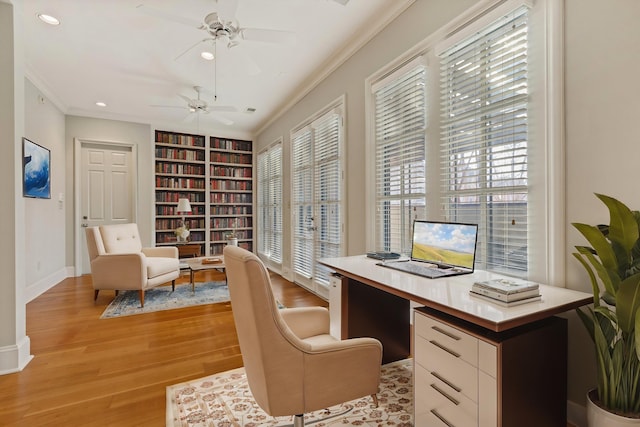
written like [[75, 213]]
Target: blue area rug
[[160, 298]]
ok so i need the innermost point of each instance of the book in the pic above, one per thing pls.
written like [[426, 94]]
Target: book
[[211, 261], [504, 303], [506, 286], [504, 296]]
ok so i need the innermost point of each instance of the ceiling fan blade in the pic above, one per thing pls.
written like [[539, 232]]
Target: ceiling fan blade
[[191, 47], [268, 36], [222, 120], [189, 117], [222, 108], [227, 9], [186, 98], [342, 2], [169, 106], [157, 13]]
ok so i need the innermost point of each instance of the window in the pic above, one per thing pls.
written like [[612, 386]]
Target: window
[[317, 181], [270, 203], [487, 111], [400, 138], [484, 90]]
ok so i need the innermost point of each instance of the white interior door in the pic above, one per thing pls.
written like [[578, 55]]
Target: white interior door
[[107, 179]]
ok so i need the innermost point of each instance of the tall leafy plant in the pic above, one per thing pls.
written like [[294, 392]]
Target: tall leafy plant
[[613, 264]]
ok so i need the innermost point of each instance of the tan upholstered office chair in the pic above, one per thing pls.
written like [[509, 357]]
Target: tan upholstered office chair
[[119, 262], [293, 365]]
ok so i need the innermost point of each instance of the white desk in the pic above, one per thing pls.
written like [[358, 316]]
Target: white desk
[[530, 342]]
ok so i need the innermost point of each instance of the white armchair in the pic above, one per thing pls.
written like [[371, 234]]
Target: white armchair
[[119, 262]]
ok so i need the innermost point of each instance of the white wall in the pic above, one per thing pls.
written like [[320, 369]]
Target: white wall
[[603, 142], [45, 218]]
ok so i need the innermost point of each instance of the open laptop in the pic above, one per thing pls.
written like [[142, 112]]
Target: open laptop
[[439, 249]]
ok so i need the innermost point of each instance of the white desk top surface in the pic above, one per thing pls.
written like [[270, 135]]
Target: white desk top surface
[[453, 292]]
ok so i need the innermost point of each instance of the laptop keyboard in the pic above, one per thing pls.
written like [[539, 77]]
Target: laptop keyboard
[[417, 269]]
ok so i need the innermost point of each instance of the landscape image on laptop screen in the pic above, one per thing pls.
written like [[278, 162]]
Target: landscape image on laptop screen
[[444, 243]]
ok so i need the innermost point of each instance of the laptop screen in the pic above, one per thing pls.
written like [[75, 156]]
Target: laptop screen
[[444, 243]]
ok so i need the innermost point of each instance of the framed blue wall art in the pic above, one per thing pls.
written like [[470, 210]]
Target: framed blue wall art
[[36, 172]]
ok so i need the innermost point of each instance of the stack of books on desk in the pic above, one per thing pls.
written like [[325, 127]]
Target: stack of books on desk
[[506, 292]]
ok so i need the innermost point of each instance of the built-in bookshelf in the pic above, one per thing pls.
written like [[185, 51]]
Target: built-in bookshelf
[[218, 181], [230, 192]]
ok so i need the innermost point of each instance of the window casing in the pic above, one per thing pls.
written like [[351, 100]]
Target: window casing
[[317, 180], [400, 138], [520, 172], [270, 203], [484, 145]]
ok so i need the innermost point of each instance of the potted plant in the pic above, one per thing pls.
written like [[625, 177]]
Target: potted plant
[[232, 237], [613, 264]]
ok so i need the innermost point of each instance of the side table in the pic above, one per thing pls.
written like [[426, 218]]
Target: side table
[[188, 250]]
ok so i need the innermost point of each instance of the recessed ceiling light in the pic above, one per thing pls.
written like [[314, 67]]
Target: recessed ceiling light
[[101, 104], [207, 55], [48, 19]]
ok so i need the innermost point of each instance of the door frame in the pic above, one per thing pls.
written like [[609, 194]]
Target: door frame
[[78, 144]]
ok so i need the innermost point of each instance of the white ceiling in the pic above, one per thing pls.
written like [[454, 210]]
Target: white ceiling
[[124, 55]]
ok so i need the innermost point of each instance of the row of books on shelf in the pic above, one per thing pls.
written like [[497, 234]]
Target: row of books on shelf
[[507, 292], [231, 158], [231, 210], [169, 237], [230, 171], [179, 168], [222, 184], [179, 183], [170, 210], [178, 139], [173, 195], [230, 144], [217, 248], [179, 154], [172, 224], [231, 222], [231, 198], [240, 234]]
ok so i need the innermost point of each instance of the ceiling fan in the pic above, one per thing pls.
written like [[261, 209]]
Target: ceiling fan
[[221, 25], [198, 105]]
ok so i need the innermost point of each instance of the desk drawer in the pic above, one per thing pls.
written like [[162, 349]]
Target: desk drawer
[[435, 406], [453, 340], [458, 376]]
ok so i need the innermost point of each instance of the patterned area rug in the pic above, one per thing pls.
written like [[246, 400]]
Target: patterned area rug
[[225, 400], [162, 298]]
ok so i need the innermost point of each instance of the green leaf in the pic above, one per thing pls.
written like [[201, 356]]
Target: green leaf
[[608, 276], [628, 302], [600, 244], [637, 331], [623, 227]]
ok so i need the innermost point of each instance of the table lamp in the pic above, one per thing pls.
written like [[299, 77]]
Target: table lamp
[[182, 232]]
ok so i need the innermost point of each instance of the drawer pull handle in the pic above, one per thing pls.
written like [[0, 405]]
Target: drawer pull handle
[[438, 376], [451, 352], [442, 392], [441, 418], [447, 333]]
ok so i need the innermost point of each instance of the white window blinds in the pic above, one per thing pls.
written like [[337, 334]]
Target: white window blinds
[[317, 195], [484, 94], [400, 137], [270, 203]]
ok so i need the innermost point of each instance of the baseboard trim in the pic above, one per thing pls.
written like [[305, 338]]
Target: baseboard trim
[[41, 286], [13, 358], [576, 414]]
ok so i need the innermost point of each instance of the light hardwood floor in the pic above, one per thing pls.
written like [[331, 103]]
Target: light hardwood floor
[[114, 372], [89, 371]]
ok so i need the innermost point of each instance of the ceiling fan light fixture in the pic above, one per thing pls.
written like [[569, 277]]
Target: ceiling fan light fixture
[[207, 55], [48, 19]]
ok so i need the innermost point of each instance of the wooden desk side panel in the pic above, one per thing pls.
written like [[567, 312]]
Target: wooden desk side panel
[[533, 377], [378, 314]]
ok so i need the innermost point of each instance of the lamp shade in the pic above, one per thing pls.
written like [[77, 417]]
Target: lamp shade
[[183, 206]]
